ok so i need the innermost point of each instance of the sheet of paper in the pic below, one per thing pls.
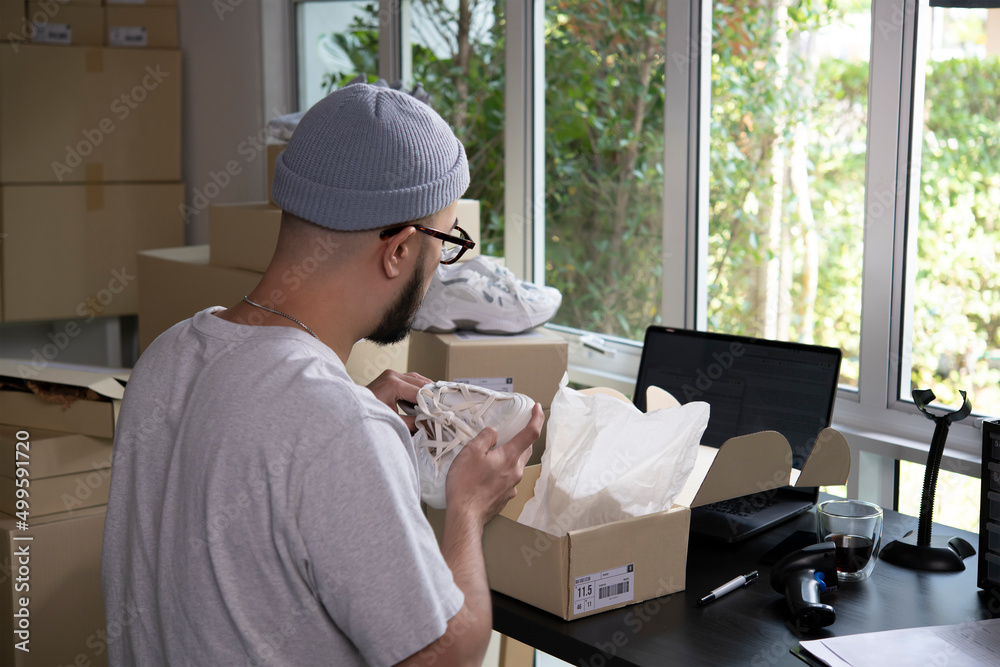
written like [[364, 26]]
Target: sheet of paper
[[970, 644]]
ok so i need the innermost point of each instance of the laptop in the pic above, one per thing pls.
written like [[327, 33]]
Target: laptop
[[752, 385]]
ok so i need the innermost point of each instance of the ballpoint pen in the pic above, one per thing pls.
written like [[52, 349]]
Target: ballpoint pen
[[729, 587]]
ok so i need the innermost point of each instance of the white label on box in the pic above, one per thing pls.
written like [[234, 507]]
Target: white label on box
[[604, 589], [496, 384], [127, 35], [52, 33]]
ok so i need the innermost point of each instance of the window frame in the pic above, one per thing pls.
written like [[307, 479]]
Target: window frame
[[881, 428]]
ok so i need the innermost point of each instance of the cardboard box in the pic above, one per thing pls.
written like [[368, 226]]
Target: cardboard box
[[65, 607], [103, 115], [76, 25], [243, 236], [94, 415], [144, 26], [644, 557], [55, 495], [176, 283], [65, 471], [532, 363], [368, 360], [273, 151], [53, 453], [69, 250], [468, 219], [13, 26]]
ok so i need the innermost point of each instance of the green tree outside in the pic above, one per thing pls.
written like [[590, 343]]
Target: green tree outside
[[786, 202]]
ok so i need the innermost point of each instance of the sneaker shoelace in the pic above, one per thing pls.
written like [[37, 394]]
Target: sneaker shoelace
[[448, 427], [505, 280]]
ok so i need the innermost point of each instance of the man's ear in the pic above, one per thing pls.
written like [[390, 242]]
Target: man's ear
[[396, 249]]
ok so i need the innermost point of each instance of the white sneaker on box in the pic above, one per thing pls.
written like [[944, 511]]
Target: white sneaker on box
[[483, 296], [449, 414]]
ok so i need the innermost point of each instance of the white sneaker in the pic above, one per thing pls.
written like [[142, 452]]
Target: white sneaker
[[449, 414], [485, 297]]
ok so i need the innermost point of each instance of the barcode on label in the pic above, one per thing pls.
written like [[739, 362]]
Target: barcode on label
[[614, 589], [607, 588]]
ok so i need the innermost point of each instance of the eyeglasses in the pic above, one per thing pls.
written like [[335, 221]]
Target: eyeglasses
[[452, 247]]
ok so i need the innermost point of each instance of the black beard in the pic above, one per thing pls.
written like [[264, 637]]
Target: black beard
[[396, 323]]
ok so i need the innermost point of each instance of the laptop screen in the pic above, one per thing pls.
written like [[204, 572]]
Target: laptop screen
[[751, 384]]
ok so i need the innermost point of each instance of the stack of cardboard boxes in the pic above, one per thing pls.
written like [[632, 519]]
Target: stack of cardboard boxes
[[90, 159], [130, 23], [55, 474], [90, 173]]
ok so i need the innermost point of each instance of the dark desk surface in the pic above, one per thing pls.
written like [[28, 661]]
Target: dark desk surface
[[747, 627]]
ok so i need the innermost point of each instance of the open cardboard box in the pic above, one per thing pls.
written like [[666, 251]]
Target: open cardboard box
[[605, 567], [88, 416]]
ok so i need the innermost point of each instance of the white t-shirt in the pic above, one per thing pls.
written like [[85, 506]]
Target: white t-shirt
[[264, 510]]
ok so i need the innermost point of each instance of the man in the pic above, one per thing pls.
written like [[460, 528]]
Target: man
[[264, 509]]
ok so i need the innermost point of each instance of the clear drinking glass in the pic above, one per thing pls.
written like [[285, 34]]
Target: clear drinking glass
[[855, 527]]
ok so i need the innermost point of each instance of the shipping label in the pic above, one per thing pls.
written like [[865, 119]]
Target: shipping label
[[604, 589]]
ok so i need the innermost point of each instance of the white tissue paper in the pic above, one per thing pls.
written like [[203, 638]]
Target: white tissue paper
[[605, 460]]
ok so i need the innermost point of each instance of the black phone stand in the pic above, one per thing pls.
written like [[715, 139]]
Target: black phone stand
[[923, 551]]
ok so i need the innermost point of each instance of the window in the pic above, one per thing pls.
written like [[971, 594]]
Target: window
[[952, 306], [821, 172], [956, 497], [604, 96], [458, 57], [454, 50], [785, 218], [335, 41]]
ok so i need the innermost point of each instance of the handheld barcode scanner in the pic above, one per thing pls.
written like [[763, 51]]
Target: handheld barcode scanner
[[803, 576]]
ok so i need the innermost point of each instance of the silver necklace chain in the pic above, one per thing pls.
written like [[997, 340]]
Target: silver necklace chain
[[277, 312]]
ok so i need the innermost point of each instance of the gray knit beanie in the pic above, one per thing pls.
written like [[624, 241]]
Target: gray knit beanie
[[369, 156]]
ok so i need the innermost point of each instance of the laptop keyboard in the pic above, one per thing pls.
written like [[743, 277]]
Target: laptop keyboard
[[743, 506]]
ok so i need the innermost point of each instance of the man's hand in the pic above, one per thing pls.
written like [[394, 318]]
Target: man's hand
[[480, 482], [482, 477], [393, 387]]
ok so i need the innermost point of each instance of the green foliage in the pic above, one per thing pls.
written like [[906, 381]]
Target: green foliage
[[777, 111], [956, 318], [603, 169], [758, 103], [471, 99]]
